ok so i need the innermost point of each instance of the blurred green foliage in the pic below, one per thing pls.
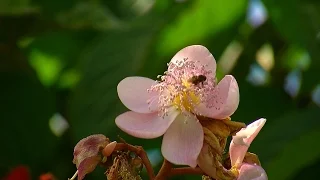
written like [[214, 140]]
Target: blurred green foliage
[[67, 57]]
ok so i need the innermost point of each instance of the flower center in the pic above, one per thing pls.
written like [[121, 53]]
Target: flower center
[[185, 85], [186, 100]]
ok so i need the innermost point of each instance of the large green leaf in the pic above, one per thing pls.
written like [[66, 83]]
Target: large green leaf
[[112, 56], [201, 20], [296, 154]]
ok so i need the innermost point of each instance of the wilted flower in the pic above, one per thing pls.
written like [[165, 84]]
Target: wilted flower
[[238, 149], [87, 153], [169, 106]]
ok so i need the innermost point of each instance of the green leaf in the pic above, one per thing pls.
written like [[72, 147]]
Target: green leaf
[[296, 58], [295, 155], [308, 172], [201, 20], [88, 14], [129, 9], [16, 7], [112, 56], [50, 8], [52, 53], [47, 67], [289, 16]]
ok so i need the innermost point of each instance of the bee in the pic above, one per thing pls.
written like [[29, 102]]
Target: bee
[[197, 79]]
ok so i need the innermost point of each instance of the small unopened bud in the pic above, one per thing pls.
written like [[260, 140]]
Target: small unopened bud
[[108, 150]]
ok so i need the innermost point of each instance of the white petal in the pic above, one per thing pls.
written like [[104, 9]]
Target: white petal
[[133, 94], [198, 54], [146, 126]]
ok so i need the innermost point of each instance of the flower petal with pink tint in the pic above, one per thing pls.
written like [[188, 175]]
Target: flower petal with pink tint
[[146, 126], [242, 140], [132, 92], [183, 141], [198, 54], [224, 100], [237, 153], [252, 172], [205, 161]]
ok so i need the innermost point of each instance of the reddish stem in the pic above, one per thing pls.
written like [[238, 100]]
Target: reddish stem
[[164, 171]]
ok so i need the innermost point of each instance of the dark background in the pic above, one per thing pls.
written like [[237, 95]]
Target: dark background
[[60, 63]]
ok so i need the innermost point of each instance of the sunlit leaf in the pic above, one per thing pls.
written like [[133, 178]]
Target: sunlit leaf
[[296, 58], [47, 67], [51, 55], [69, 79], [202, 19]]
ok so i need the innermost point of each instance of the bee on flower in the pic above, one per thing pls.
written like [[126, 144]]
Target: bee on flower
[[170, 106]]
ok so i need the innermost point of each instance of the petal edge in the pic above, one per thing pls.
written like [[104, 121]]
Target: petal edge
[[147, 126], [133, 93]]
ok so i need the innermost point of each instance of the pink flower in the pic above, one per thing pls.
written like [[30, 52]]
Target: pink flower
[[169, 107], [251, 172], [238, 149]]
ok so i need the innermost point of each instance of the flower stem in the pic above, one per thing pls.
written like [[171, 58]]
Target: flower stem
[[164, 171], [141, 153], [74, 176]]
